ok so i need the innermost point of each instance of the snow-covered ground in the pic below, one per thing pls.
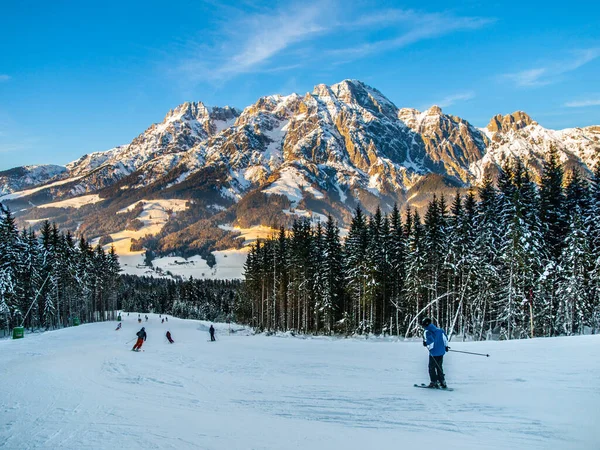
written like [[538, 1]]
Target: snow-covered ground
[[82, 387], [229, 265], [75, 202], [252, 234], [27, 192]]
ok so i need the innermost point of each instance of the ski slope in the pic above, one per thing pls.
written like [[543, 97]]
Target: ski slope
[[82, 388]]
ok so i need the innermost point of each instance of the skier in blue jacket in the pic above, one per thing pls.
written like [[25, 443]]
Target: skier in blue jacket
[[436, 341]]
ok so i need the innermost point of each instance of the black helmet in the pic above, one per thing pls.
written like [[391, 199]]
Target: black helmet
[[425, 322], [143, 328]]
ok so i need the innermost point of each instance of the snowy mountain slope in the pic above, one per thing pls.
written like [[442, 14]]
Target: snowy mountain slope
[[21, 178], [83, 386], [325, 152], [518, 136]]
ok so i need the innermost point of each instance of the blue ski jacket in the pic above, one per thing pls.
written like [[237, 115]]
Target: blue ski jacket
[[436, 340]]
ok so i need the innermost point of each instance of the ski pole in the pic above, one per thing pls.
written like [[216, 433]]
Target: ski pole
[[131, 340], [470, 353]]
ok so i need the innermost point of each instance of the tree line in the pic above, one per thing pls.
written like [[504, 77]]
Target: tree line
[[213, 300], [509, 259], [49, 279]]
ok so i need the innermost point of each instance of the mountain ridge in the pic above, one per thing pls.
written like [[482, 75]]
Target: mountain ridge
[[327, 151]]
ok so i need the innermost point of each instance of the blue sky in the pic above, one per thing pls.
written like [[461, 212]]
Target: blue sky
[[77, 78]]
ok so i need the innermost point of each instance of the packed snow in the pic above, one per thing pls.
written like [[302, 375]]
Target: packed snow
[[82, 387]]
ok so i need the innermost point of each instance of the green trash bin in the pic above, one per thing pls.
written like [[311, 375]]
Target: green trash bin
[[75, 321], [18, 333], [119, 318]]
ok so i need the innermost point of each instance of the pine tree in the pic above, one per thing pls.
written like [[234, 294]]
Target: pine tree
[[574, 311], [333, 306], [356, 269], [415, 291], [397, 263], [552, 204]]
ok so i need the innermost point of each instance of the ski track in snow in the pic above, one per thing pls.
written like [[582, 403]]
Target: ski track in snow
[[82, 387]]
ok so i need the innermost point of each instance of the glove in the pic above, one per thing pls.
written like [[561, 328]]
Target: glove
[[424, 344], [447, 348]]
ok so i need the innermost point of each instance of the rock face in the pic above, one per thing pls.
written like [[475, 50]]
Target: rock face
[[514, 121], [329, 150]]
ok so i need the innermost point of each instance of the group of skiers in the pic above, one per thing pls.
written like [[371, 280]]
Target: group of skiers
[[434, 339], [142, 336]]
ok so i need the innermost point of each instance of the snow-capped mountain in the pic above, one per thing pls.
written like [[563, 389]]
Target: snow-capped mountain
[[327, 151], [24, 177]]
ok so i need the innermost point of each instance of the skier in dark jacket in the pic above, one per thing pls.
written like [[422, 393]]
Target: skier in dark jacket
[[211, 330], [169, 337], [141, 337], [436, 341]]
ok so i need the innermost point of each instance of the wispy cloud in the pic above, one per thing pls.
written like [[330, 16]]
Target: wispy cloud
[[4, 77], [552, 72], [266, 41], [583, 103], [454, 98], [254, 40], [418, 27]]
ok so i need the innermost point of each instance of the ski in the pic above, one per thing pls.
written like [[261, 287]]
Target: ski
[[424, 386]]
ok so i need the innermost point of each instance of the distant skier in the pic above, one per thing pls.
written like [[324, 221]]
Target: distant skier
[[170, 338], [146, 318], [118, 327], [436, 341], [163, 321], [139, 320], [141, 337], [211, 330], [166, 318]]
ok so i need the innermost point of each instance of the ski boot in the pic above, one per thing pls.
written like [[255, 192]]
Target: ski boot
[[433, 385]]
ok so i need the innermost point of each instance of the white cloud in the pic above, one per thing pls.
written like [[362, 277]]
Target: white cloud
[[286, 38], [272, 34], [551, 73], [420, 26], [452, 99], [583, 103], [248, 43]]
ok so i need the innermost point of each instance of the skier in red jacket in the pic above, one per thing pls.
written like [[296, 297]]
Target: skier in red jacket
[[140, 340], [169, 337]]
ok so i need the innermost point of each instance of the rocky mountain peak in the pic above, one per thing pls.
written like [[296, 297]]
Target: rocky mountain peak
[[514, 121], [198, 111], [357, 93], [435, 110], [188, 111]]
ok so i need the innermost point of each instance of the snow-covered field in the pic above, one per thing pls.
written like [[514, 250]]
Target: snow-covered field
[[82, 387], [75, 202]]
